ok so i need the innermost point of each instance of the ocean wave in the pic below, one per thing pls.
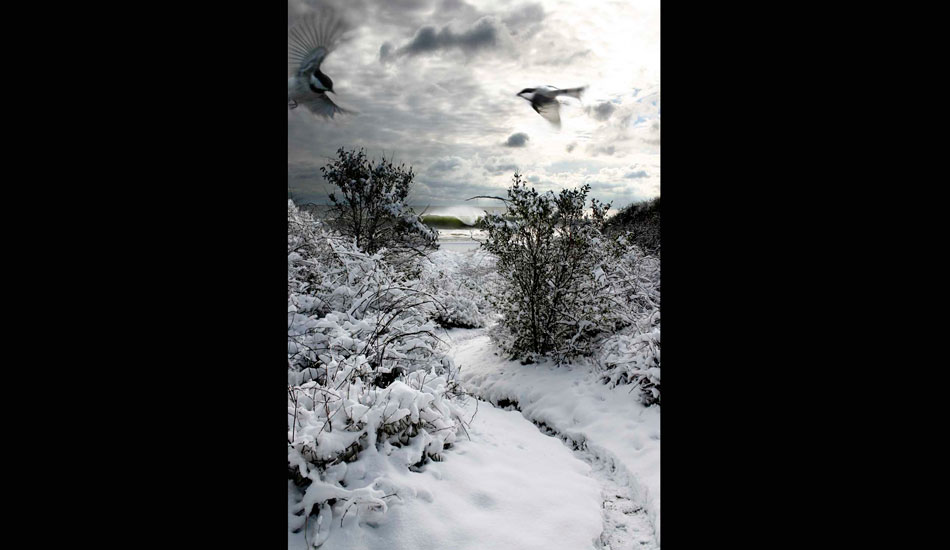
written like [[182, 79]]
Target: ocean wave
[[447, 222], [465, 214]]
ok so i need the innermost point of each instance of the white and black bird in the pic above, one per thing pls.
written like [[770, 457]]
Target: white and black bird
[[309, 43], [545, 102]]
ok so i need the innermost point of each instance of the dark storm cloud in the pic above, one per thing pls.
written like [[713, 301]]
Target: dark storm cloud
[[517, 140]]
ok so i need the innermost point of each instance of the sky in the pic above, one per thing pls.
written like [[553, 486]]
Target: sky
[[434, 85]]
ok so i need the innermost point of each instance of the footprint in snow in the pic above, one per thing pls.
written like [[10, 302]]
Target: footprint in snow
[[483, 500]]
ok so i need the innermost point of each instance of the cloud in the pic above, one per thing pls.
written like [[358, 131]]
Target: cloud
[[561, 59], [525, 20], [486, 33], [385, 52], [601, 111], [457, 125], [496, 168], [601, 149], [635, 175], [445, 164], [630, 125], [519, 139]]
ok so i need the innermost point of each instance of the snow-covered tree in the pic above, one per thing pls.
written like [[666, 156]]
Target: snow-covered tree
[[567, 290], [551, 256], [369, 205]]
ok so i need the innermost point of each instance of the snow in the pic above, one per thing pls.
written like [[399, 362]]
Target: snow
[[509, 487], [608, 422], [403, 462]]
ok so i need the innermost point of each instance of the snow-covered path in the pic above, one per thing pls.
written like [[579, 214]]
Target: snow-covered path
[[540, 471], [605, 428], [508, 487]]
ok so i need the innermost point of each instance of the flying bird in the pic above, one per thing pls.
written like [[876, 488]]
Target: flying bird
[[544, 100], [309, 43]]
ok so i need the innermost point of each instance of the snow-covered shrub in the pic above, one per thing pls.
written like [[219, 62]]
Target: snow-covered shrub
[[460, 280], [552, 258], [368, 386], [345, 302], [346, 440], [631, 358], [632, 355], [569, 290], [372, 209]]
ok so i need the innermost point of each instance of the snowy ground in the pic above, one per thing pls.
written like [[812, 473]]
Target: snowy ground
[[570, 465], [611, 431], [552, 472], [509, 487]]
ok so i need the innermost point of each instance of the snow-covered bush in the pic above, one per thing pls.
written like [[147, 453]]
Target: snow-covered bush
[[461, 281], [569, 290], [368, 386], [632, 354], [372, 209], [346, 440], [631, 358], [552, 258]]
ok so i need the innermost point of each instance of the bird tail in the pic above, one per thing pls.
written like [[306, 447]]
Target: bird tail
[[321, 28], [573, 92]]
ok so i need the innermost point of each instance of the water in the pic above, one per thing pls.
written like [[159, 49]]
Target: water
[[461, 239], [464, 213], [452, 223]]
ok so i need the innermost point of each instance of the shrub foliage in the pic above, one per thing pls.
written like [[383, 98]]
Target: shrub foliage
[[369, 206], [367, 383], [569, 290], [549, 253]]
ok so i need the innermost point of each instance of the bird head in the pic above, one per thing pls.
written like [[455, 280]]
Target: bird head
[[525, 91]]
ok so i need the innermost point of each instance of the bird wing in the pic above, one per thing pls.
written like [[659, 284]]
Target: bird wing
[[572, 92], [311, 62], [321, 105], [312, 38], [551, 110]]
